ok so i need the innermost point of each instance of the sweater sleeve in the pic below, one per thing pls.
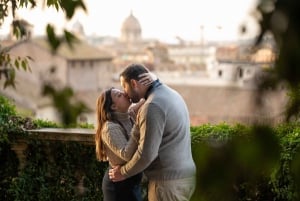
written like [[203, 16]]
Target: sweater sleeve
[[114, 139], [127, 152], [151, 121]]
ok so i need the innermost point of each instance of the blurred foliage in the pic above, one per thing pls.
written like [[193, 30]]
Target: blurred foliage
[[53, 170], [11, 122], [41, 123], [57, 171], [8, 63], [281, 19], [6, 108], [62, 99], [8, 168], [234, 162], [251, 163], [68, 108]]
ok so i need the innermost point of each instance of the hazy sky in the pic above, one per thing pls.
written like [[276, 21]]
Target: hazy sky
[[161, 19]]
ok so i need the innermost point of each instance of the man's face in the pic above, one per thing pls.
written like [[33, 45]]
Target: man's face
[[130, 89]]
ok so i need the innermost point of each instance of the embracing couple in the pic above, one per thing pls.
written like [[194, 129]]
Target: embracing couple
[[143, 131]]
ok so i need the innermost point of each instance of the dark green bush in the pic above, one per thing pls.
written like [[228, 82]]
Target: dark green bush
[[9, 123], [59, 171], [246, 162], [53, 170]]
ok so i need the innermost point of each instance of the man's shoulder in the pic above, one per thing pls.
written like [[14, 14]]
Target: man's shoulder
[[164, 92]]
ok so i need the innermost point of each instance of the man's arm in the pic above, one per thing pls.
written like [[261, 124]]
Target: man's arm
[[151, 122]]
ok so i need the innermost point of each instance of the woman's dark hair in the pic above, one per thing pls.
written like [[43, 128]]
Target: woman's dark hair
[[104, 113]]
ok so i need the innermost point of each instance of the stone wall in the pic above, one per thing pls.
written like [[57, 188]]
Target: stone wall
[[83, 136]]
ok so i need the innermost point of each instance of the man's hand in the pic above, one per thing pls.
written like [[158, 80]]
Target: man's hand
[[115, 174], [147, 78]]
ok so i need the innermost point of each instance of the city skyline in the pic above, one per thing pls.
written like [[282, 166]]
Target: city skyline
[[166, 20]]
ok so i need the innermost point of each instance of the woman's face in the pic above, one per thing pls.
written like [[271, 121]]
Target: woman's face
[[121, 102]]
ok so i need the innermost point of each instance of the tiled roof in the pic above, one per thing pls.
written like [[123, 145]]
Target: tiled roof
[[81, 50]]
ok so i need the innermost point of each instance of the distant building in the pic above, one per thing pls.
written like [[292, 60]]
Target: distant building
[[233, 105], [78, 30], [83, 68], [217, 81], [132, 47], [191, 56], [242, 63], [131, 31]]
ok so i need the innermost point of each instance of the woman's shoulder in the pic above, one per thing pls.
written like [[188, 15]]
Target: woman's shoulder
[[110, 125], [111, 130]]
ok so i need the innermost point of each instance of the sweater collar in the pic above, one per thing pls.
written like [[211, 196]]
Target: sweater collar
[[121, 116], [151, 88]]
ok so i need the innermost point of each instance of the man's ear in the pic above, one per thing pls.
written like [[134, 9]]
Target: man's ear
[[133, 83]]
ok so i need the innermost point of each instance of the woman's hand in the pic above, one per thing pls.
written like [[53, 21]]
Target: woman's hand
[[134, 108], [147, 78], [115, 174]]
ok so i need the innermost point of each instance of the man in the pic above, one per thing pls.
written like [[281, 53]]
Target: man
[[164, 148]]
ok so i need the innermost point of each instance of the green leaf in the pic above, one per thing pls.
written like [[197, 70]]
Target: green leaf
[[69, 6], [30, 58], [52, 38], [70, 38], [17, 64], [24, 65]]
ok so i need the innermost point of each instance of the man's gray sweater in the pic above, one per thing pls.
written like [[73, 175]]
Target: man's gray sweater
[[164, 148]]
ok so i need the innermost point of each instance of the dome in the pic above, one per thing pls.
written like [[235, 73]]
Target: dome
[[131, 29], [78, 29], [131, 23]]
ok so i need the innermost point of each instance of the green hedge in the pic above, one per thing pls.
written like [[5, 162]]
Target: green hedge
[[54, 171], [239, 162], [234, 162]]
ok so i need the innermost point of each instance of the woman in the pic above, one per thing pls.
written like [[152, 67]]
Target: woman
[[116, 141]]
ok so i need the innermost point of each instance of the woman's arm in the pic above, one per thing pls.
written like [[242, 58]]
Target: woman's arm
[[114, 139]]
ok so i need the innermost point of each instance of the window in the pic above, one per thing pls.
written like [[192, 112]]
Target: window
[[241, 72], [220, 73]]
